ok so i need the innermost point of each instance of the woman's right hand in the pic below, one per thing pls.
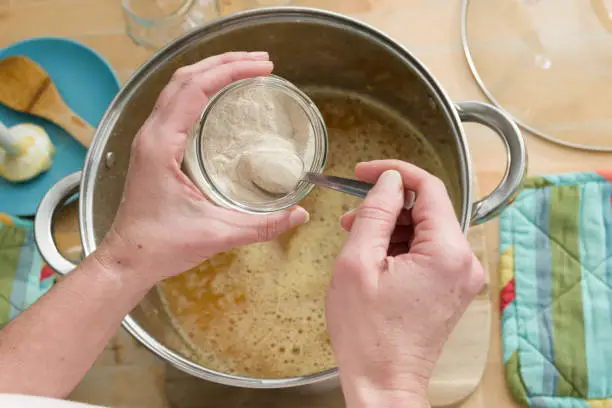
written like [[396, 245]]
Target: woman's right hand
[[398, 290]]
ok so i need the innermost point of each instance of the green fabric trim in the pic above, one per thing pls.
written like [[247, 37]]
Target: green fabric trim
[[515, 381], [564, 388], [568, 331], [536, 182], [11, 241]]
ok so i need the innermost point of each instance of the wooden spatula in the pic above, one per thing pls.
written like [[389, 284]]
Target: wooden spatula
[[26, 87]]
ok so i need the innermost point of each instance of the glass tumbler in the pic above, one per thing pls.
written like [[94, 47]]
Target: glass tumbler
[[232, 6], [307, 115], [153, 23]]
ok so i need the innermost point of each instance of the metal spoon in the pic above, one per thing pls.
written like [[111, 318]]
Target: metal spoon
[[341, 184], [344, 185], [349, 186]]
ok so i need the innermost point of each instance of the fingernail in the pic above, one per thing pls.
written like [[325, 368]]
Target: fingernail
[[262, 64], [298, 216], [347, 213], [391, 178], [409, 199], [259, 55]]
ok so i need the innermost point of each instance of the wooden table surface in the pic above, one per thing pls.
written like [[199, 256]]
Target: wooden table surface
[[430, 29]]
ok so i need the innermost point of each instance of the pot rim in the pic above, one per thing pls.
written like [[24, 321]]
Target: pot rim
[[94, 159]]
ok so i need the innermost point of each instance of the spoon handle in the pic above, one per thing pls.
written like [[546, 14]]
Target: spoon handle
[[344, 185], [353, 187], [8, 142], [65, 118]]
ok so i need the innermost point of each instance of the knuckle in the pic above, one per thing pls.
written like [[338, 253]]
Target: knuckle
[[186, 83], [162, 100], [437, 184], [461, 260], [472, 274], [139, 144], [477, 281], [465, 259], [231, 56], [347, 263], [268, 229], [351, 269], [143, 147], [375, 211], [182, 74]]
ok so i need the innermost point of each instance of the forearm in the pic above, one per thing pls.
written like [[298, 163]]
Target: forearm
[[49, 348]]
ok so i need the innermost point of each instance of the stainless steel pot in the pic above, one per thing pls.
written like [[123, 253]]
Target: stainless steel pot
[[309, 47]]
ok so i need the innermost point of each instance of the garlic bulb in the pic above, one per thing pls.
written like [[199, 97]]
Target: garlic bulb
[[25, 152]]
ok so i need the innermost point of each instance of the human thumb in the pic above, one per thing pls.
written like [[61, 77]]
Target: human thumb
[[376, 217]]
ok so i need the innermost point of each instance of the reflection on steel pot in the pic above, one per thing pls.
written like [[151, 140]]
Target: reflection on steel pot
[[339, 53]]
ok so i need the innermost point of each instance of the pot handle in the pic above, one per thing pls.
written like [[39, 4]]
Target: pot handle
[[43, 222], [516, 167]]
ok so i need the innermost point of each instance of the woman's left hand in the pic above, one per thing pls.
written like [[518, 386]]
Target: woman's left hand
[[164, 224]]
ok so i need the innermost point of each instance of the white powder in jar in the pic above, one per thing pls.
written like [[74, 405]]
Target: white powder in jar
[[257, 137]]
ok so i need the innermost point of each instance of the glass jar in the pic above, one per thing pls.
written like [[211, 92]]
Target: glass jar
[[235, 6], [154, 23], [304, 113]]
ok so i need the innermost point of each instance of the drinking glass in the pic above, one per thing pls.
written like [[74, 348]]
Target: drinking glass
[[232, 6], [153, 23]]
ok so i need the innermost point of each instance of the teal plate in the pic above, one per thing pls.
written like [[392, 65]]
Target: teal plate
[[87, 83]]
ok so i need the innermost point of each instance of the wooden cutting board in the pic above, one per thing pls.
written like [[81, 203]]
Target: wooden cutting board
[[463, 360]]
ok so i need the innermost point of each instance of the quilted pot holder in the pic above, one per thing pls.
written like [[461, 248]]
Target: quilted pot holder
[[23, 275], [556, 296]]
